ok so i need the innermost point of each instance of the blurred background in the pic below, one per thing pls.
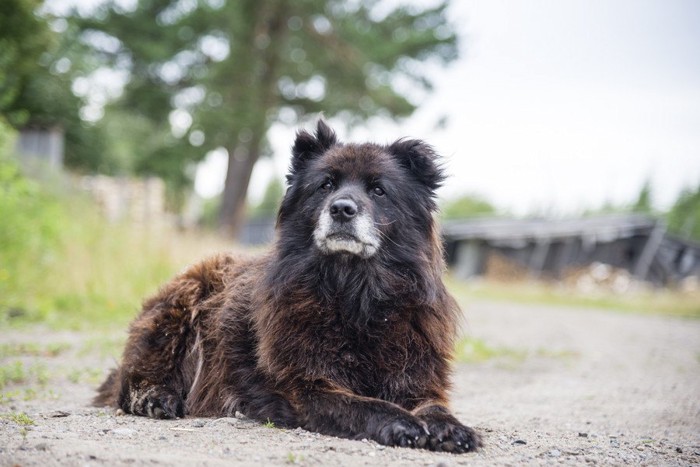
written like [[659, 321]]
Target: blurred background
[[137, 135]]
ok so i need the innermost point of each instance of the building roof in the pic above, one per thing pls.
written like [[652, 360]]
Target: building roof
[[599, 228]]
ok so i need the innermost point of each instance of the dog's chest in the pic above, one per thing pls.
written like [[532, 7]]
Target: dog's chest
[[369, 361]]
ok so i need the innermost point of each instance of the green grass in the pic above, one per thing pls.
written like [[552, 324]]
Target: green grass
[[31, 349], [655, 302], [18, 373], [20, 418], [12, 373], [269, 424], [294, 458], [63, 265], [471, 350]]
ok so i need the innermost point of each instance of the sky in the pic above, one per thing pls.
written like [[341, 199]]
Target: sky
[[553, 107]]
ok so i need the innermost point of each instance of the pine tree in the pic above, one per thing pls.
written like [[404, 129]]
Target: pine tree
[[236, 67]]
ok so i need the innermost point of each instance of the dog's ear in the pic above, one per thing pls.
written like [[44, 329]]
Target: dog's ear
[[420, 159], [307, 146]]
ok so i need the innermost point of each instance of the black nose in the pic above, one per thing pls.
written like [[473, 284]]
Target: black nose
[[343, 209]]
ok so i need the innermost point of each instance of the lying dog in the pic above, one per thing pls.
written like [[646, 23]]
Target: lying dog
[[344, 328]]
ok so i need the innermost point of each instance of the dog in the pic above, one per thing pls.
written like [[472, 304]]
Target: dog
[[344, 328]]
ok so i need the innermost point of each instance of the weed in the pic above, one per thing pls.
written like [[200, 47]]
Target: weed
[[269, 424], [9, 396], [12, 373], [20, 418], [471, 350], [31, 349], [294, 458]]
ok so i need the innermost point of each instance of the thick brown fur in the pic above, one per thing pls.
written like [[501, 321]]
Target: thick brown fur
[[355, 344]]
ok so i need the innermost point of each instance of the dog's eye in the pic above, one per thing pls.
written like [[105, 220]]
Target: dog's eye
[[378, 191], [327, 186]]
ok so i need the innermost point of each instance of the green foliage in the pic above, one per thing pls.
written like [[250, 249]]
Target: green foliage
[[235, 67], [465, 207], [24, 37], [684, 217], [29, 232], [61, 264], [20, 418], [643, 204]]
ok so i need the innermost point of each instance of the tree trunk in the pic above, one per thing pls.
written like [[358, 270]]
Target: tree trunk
[[258, 97], [232, 211]]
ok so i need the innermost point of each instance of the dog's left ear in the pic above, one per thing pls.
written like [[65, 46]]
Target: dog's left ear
[[307, 146], [420, 159]]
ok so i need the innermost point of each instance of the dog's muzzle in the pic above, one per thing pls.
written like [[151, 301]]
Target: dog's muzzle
[[343, 227]]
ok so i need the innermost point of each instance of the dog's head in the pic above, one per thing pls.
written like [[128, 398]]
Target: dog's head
[[359, 199]]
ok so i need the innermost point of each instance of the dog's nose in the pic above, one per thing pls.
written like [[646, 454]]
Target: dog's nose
[[343, 209]]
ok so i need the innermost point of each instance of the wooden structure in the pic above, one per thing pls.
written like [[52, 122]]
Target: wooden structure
[[547, 248], [41, 146]]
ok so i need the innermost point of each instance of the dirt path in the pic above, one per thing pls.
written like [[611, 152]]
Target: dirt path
[[559, 385]]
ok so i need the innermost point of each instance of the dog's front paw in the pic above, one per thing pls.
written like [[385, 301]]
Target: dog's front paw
[[452, 436], [404, 431], [156, 403]]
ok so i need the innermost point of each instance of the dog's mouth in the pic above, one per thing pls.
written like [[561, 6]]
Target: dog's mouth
[[343, 237], [345, 242]]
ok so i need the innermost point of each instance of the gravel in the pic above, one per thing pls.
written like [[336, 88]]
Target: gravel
[[583, 387]]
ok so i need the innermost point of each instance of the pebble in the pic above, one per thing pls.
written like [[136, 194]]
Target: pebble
[[554, 453], [59, 414], [123, 432], [41, 447], [583, 435], [679, 450], [198, 423]]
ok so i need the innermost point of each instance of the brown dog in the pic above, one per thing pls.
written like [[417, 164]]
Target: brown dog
[[345, 328]]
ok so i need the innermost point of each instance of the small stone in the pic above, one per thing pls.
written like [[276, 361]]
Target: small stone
[[583, 435], [554, 453], [42, 447], [124, 432], [198, 423], [640, 448], [59, 414], [679, 450], [519, 442], [372, 454]]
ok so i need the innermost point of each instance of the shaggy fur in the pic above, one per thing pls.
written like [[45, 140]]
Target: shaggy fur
[[345, 328]]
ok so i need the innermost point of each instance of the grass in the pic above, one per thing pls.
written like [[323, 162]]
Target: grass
[[17, 373], [652, 302], [471, 350], [31, 349], [20, 418], [294, 458], [269, 424], [63, 266]]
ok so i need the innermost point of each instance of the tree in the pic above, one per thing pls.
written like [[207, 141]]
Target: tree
[[643, 203], [24, 36], [236, 67], [684, 217], [465, 207]]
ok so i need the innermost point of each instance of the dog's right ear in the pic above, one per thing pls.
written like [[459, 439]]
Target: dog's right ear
[[307, 146]]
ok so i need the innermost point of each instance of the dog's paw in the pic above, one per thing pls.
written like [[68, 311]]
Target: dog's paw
[[404, 431], [452, 436], [159, 403]]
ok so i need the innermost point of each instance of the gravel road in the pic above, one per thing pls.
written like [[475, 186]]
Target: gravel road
[[560, 385]]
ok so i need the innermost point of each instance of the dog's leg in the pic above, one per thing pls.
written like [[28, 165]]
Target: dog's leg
[[341, 413], [446, 432], [150, 378]]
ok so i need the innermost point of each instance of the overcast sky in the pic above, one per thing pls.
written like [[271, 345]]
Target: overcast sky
[[557, 106]]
